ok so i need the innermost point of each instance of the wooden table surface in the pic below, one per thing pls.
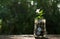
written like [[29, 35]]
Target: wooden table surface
[[26, 37]]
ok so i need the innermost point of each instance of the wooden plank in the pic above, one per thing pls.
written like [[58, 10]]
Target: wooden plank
[[26, 37]]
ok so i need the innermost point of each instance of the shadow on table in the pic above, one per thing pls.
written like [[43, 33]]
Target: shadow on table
[[41, 38], [6, 37]]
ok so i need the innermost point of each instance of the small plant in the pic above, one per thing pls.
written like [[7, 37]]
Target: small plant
[[39, 14]]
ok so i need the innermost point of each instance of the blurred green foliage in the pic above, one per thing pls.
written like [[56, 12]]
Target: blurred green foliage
[[18, 16]]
